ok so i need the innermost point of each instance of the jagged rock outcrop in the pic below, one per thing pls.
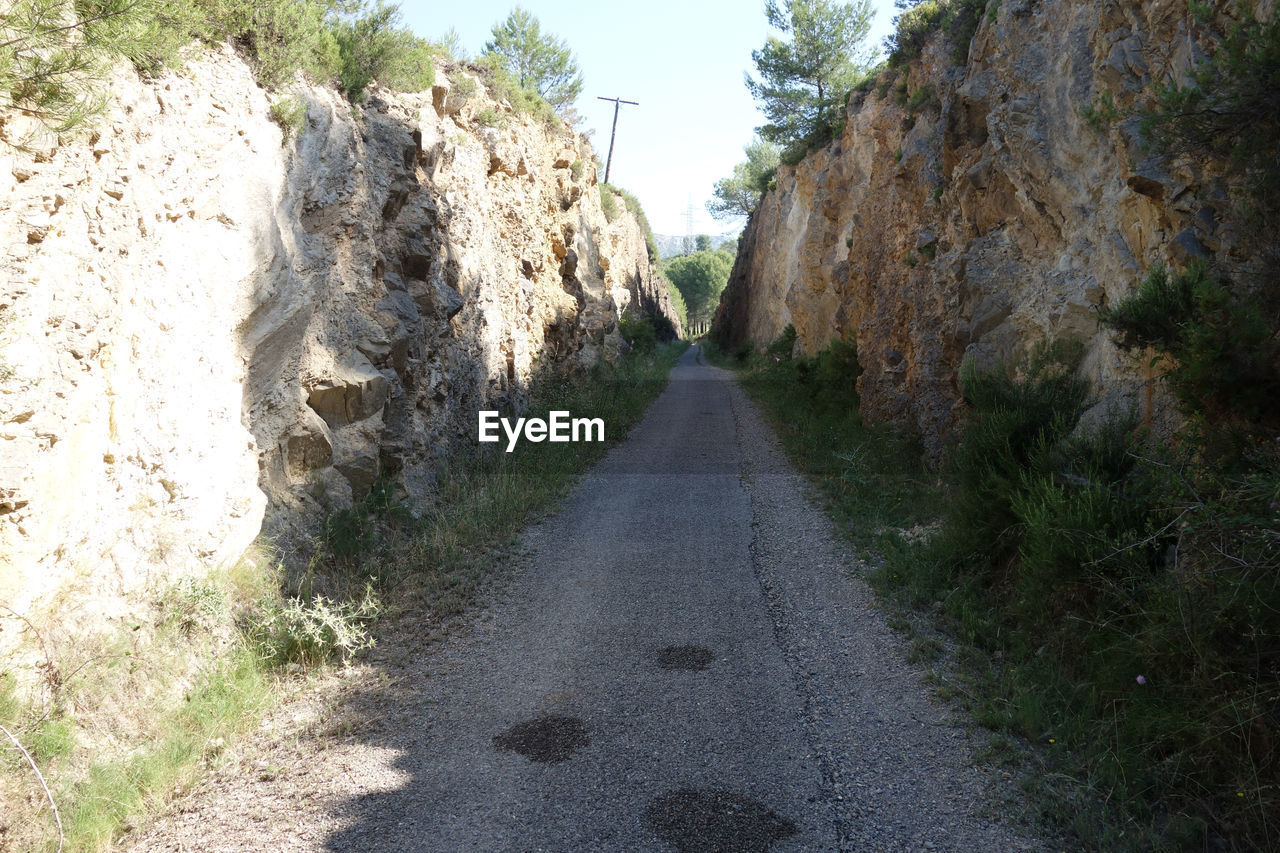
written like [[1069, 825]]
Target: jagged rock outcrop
[[203, 331], [650, 292], [992, 215]]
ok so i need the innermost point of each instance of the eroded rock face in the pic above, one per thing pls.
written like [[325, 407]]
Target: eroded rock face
[[204, 331], [994, 217]]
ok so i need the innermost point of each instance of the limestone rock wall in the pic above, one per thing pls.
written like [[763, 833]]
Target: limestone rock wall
[[993, 215], [206, 328]]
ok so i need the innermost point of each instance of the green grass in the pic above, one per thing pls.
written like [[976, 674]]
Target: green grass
[[226, 702], [119, 724], [485, 497], [873, 479], [1112, 602]]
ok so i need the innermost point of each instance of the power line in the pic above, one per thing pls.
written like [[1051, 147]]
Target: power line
[[617, 103]]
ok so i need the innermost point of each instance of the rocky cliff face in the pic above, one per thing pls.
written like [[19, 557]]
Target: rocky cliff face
[[204, 330], [992, 215]]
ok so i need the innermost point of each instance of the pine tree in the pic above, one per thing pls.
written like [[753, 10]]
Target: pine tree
[[738, 194], [804, 82], [539, 63]]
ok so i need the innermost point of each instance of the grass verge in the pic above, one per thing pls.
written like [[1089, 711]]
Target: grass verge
[[1111, 600], [121, 722]]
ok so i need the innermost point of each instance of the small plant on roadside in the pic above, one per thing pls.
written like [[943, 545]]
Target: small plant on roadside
[[311, 632]]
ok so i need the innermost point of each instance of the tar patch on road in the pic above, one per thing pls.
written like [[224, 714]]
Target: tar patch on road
[[544, 739], [695, 820], [685, 657]]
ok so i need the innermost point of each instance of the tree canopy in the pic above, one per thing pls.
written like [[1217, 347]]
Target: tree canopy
[[700, 278], [540, 63], [738, 194], [804, 81]]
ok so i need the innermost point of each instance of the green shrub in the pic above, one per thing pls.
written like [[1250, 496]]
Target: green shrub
[[633, 205], [577, 169], [464, 87], [55, 66], [1109, 582], [373, 45], [926, 97], [1224, 346], [913, 28], [609, 203], [488, 117], [639, 332], [958, 19], [784, 344]]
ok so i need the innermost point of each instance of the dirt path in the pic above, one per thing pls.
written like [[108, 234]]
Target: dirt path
[[682, 662]]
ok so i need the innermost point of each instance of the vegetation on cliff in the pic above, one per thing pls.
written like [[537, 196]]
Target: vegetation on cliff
[[920, 19], [540, 63], [55, 55]]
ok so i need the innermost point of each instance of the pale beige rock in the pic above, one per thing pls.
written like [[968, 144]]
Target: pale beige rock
[[205, 329]]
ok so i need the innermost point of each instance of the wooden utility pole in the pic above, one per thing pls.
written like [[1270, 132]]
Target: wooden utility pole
[[617, 102]]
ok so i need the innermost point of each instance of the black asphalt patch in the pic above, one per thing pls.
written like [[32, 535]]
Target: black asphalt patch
[[685, 657], [544, 739], [696, 820]]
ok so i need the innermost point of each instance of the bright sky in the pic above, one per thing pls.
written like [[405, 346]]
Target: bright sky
[[683, 60]]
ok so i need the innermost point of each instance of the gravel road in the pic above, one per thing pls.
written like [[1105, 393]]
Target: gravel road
[[684, 660]]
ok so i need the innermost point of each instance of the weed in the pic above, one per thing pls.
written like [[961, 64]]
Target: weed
[[577, 169], [1102, 113], [311, 632], [290, 114], [609, 203], [488, 117]]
